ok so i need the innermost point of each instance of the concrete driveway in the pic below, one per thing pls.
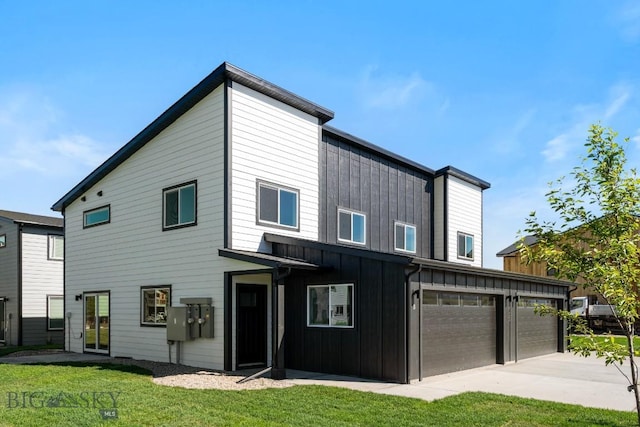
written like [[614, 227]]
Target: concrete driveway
[[559, 377]]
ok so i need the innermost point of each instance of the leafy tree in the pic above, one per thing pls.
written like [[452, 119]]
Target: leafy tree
[[595, 243]]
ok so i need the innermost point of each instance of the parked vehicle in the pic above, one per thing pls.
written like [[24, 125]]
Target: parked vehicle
[[598, 316]]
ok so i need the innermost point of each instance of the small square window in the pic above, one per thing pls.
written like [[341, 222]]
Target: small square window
[[155, 301], [55, 312], [351, 227], [179, 206], [56, 247], [98, 216], [405, 237], [330, 306], [277, 206], [3, 240], [465, 246]]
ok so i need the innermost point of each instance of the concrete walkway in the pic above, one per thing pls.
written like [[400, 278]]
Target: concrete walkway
[[559, 377]]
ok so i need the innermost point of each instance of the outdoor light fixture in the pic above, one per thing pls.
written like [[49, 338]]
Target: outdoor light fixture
[[99, 193], [78, 297]]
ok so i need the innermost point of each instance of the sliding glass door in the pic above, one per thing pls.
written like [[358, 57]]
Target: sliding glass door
[[96, 322]]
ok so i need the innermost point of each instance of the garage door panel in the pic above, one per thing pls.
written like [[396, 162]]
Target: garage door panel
[[457, 337], [537, 335]]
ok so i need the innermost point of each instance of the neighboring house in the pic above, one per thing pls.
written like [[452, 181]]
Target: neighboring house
[[240, 230], [31, 279], [513, 262]]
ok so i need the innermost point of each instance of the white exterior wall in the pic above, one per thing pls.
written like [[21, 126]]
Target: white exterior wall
[[438, 218], [40, 277], [273, 142], [464, 210], [9, 279], [133, 251]]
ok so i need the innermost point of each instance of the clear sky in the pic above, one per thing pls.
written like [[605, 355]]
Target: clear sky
[[504, 90]]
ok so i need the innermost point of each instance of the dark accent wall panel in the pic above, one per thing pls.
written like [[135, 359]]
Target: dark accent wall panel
[[355, 178], [374, 347]]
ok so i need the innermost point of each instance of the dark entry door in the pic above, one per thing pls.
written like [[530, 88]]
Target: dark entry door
[[251, 337]]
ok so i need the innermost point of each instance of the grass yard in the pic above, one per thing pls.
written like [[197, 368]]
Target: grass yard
[[618, 339], [57, 395]]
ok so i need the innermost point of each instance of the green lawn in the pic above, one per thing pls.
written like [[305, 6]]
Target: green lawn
[[68, 394], [619, 339]]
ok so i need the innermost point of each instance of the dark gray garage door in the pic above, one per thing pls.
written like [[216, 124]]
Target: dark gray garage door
[[537, 335], [458, 331]]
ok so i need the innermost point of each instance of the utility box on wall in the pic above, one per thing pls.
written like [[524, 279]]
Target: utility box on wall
[[206, 321], [194, 320], [178, 327]]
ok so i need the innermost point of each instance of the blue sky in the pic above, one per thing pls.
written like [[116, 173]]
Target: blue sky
[[504, 90]]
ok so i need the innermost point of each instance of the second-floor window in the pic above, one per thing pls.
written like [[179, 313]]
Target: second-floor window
[[405, 237], [97, 216], [56, 247], [179, 206], [3, 240], [277, 205], [465, 246], [351, 227]]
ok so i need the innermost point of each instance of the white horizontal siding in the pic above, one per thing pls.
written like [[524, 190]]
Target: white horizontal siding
[[438, 218], [40, 276], [272, 142], [464, 211], [133, 251]]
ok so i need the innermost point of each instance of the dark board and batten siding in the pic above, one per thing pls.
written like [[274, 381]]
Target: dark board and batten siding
[[396, 337], [386, 191], [374, 347]]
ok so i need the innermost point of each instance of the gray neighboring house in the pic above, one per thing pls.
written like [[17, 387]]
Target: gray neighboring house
[[31, 279]]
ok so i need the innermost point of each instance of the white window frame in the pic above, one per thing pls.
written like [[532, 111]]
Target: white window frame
[[178, 189], [52, 247], [86, 214], [3, 241], [465, 249], [143, 311], [49, 312], [350, 287], [404, 226], [351, 214], [279, 189]]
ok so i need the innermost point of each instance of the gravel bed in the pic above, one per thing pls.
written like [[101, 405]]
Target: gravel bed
[[173, 375]]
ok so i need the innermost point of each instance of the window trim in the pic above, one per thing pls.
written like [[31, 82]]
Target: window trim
[[49, 328], [260, 183], [351, 286], [473, 241], [404, 228], [90, 211], [3, 241], [351, 212], [168, 304], [50, 247], [177, 187]]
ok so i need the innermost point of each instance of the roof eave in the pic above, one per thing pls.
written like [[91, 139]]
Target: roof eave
[[185, 103]]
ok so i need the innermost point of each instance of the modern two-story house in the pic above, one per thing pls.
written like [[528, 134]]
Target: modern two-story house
[[31, 279], [240, 230]]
